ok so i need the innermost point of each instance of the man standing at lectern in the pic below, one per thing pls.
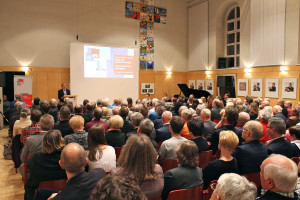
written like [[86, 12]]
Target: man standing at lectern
[[63, 91]]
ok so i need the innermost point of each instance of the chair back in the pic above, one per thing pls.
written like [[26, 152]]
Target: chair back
[[216, 120], [254, 177], [57, 185], [296, 160], [207, 193], [204, 158], [194, 193], [26, 170], [118, 152], [169, 164], [159, 145]]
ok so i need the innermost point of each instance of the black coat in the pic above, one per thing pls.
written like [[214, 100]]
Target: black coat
[[280, 146], [61, 93]]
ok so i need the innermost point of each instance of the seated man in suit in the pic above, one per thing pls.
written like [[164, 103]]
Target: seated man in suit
[[80, 183], [62, 92], [277, 112], [164, 133], [216, 109], [278, 177], [250, 155], [168, 147], [278, 144], [228, 121], [209, 125]]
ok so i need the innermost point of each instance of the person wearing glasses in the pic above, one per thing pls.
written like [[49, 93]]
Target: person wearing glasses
[[232, 186], [277, 144], [252, 153]]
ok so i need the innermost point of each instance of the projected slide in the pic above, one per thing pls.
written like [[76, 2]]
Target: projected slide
[[108, 62]]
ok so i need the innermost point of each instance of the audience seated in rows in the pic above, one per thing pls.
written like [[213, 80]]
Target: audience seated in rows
[[23, 122], [137, 164], [186, 115], [147, 127], [136, 119]]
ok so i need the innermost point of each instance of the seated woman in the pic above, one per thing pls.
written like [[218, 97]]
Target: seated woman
[[114, 136], [253, 111], [44, 165], [79, 136], [23, 122], [228, 140], [188, 174], [137, 164], [196, 130], [100, 155]]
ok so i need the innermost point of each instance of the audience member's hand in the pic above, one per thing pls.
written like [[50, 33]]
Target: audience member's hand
[[52, 196]]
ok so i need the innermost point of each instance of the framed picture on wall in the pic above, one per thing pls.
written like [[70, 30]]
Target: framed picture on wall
[[147, 88], [289, 88], [209, 84], [200, 85], [256, 87], [271, 87], [242, 87], [192, 84]]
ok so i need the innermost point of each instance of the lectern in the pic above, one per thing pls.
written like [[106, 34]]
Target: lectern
[[73, 98]]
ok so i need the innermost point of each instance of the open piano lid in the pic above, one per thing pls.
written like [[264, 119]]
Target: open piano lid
[[197, 93]]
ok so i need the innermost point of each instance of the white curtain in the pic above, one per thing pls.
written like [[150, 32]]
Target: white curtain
[[198, 37], [267, 32]]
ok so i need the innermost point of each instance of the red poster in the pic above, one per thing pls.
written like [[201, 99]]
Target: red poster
[[27, 98]]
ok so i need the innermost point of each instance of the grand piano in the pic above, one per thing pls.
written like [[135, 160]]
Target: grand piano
[[197, 93]]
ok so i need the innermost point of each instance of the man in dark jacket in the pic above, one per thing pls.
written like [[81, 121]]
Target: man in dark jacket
[[80, 183]]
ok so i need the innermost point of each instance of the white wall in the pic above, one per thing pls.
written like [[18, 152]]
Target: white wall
[[38, 33]]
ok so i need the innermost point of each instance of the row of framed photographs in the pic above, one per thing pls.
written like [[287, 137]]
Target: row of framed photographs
[[288, 87], [199, 85]]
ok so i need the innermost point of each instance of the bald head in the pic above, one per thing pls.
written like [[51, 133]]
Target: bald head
[[243, 119], [73, 158], [116, 110], [205, 114], [98, 113], [166, 117], [254, 129], [279, 173]]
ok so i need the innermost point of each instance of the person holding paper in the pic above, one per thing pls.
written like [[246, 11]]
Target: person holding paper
[[62, 92]]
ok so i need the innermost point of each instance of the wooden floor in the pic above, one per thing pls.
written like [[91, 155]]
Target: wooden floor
[[11, 184]]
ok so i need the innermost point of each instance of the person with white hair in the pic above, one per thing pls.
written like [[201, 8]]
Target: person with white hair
[[278, 178], [186, 115], [232, 186], [263, 104], [277, 111], [264, 116], [209, 125], [199, 108]]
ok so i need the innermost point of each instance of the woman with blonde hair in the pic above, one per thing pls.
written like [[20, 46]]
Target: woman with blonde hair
[[114, 136], [228, 141], [137, 164], [100, 154], [44, 165]]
